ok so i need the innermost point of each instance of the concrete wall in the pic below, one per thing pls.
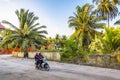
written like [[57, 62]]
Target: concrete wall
[[110, 61], [48, 55], [18, 54]]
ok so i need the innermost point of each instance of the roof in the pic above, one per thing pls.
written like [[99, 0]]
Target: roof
[[1, 26]]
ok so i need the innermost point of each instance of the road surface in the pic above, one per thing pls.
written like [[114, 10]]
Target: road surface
[[24, 69]]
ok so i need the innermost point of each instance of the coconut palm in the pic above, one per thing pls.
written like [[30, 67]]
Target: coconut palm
[[116, 2], [84, 23], [57, 40], [27, 34], [113, 1], [107, 8], [64, 37]]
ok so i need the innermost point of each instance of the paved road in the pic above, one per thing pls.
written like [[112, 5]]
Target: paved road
[[23, 69]]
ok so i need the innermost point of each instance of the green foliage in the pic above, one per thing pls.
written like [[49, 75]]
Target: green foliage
[[109, 42], [58, 41], [73, 53], [6, 32], [95, 46], [84, 22], [48, 50], [114, 2], [118, 58], [107, 8]]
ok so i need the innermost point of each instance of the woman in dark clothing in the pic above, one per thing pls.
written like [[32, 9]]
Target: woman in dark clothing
[[38, 59]]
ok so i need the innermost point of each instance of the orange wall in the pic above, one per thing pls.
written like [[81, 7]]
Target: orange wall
[[9, 51], [50, 47]]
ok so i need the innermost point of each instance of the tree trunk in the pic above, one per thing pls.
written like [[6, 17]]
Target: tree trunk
[[108, 20], [26, 53]]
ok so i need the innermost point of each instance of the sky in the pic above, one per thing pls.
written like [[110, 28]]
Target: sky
[[52, 13]]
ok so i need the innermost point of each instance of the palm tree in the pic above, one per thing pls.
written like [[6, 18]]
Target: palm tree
[[64, 37], [116, 2], [57, 40], [62, 41], [84, 23], [113, 1], [107, 8], [27, 34]]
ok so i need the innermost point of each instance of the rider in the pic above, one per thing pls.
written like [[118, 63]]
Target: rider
[[39, 59]]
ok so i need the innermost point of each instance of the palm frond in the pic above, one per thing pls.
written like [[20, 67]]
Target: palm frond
[[117, 22], [31, 27], [6, 22], [42, 32]]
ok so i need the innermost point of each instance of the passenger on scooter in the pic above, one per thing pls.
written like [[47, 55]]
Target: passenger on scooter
[[39, 59]]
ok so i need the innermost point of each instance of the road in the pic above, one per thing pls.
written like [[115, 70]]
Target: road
[[24, 69]]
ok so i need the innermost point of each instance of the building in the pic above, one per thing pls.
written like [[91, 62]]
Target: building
[[1, 27]]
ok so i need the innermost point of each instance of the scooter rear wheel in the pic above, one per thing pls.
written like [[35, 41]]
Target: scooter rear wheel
[[47, 67]]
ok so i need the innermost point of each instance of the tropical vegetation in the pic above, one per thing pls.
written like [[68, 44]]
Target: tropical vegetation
[[109, 42], [84, 23], [91, 33], [107, 8], [29, 33]]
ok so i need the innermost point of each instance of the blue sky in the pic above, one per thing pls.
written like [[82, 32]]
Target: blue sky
[[52, 13]]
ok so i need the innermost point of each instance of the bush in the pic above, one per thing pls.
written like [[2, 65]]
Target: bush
[[69, 57], [47, 50]]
